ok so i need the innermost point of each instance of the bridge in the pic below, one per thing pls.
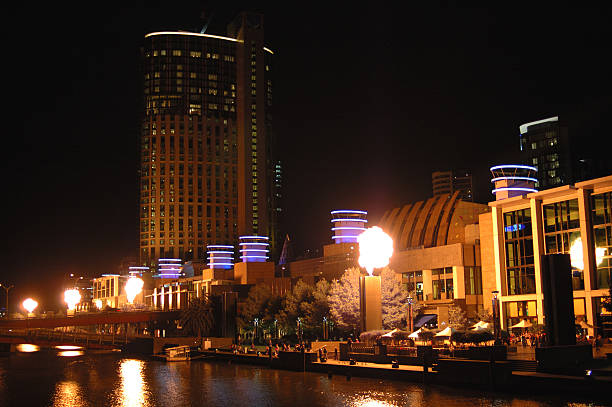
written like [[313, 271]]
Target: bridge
[[92, 318], [113, 330]]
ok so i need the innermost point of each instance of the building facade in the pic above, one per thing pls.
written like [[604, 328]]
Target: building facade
[[437, 252], [208, 171], [572, 219], [449, 182]]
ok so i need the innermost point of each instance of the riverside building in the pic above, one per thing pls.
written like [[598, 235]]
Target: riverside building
[[572, 219], [208, 170]]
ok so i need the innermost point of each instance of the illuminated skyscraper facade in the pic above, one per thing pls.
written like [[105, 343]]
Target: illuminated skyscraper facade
[[545, 145], [208, 172]]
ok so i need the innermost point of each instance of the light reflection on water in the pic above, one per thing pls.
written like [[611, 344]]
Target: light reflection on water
[[133, 390], [119, 381], [68, 394]]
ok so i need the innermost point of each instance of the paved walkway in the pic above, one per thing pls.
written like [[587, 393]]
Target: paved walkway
[[372, 365]]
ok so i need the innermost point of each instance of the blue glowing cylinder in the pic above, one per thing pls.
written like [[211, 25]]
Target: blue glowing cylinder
[[254, 249], [220, 256], [347, 225], [169, 268], [512, 180]]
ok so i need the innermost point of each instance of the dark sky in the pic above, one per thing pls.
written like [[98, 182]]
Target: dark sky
[[369, 100]]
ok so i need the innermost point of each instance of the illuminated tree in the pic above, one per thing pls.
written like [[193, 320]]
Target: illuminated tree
[[307, 302], [457, 318], [344, 300], [394, 300]]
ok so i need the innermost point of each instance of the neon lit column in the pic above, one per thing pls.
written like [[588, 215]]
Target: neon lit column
[[512, 180], [137, 270], [254, 249], [348, 224], [169, 268], [220, 256]]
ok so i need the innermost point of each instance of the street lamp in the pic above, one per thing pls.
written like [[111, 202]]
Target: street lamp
[[496, 325], [7, 289], [410, 317], [299, 327]]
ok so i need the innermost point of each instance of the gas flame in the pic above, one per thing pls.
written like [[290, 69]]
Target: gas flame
[[133, 287], [375, 249], [30, 305], [72, 297], [577, 258]]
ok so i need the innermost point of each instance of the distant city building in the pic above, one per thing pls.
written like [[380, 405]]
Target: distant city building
[[449, 182], [208, 170], [545, 144]]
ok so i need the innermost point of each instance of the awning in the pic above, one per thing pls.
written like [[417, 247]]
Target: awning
[[423, 319]]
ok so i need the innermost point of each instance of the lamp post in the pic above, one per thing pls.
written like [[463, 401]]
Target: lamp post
[[7, 288], [255, 323], [496, 325], [324, 328], [410, 316], [299, 330]]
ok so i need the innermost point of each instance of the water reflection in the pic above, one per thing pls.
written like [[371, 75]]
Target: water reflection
[[27, 348], [70, 353], [68, 394], [133, 390], [369, 402]]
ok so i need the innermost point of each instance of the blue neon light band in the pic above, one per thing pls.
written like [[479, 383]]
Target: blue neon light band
[[349, 220], [514, 189], [349, 211], [219, 246], [526, 167], [516, 178], [254, 244], [348, 228], [254, 257], [220, 264], [168, 259], [254, 237]]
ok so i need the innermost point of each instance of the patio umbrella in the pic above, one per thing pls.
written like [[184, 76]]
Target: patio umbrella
[[390, 333], [479, 329], [523, 324], [415, 334], [448, 331], [481, 324], [585, 325]]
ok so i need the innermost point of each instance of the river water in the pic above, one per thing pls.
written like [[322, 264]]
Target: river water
[[74, 378]]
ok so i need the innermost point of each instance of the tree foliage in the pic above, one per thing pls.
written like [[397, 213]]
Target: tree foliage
[[457, 318], [394, 300], [485, 315], [198, 318], [260, 304], [344, 300], [307, 302]]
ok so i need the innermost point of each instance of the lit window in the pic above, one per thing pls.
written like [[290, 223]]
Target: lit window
[[176, 53]]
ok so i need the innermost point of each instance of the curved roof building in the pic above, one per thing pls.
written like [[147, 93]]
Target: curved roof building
[[438, 221]]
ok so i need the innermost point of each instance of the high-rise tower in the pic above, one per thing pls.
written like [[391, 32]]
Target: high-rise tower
[[208, 172]]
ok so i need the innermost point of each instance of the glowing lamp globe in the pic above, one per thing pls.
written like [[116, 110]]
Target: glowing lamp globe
[[30, 305], [375, 248], [133, 287], [72, 297]]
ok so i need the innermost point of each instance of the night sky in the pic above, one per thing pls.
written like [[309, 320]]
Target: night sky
[[368, 102]]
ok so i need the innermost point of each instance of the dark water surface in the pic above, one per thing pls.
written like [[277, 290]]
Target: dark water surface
[[74, 378]]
